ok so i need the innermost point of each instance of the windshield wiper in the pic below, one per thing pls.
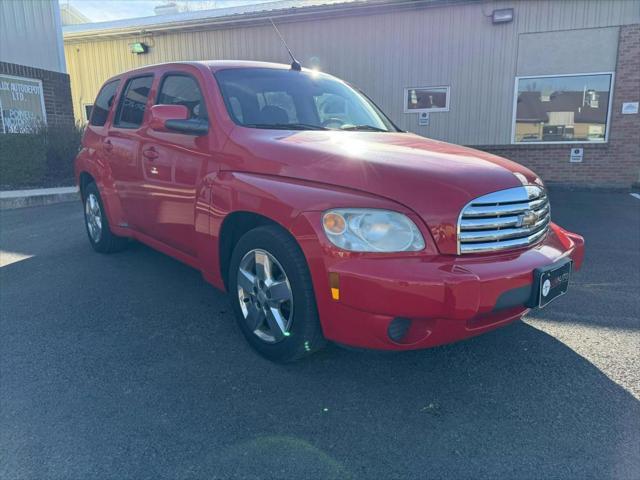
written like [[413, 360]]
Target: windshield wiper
[[287, 126], [369, 128]]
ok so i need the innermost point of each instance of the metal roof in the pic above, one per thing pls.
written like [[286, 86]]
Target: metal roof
[[241, 14]]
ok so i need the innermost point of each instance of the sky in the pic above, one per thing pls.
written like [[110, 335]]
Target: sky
[[577, 83], [107, 10]]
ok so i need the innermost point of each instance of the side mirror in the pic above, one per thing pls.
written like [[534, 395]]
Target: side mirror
[[161, 113], [175, 118]]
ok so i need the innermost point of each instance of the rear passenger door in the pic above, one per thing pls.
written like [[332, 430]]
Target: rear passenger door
[[172, 164], [124, 145], [97, 132]]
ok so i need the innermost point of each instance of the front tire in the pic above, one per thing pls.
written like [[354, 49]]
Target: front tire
[[273, 298], [100, 236]]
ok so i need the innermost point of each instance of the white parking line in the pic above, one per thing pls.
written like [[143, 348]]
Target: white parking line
[[637, 195]]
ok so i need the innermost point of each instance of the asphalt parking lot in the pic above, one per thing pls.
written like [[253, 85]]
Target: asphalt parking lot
[[130, 366]]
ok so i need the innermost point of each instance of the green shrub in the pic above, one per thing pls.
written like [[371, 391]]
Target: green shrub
[[23, 159], [63, 144], [39, 160]]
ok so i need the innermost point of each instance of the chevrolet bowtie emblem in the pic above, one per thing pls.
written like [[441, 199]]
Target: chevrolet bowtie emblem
[[528, 218]]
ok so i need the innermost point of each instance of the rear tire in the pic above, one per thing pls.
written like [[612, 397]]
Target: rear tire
[[95, 220], [272, 295]]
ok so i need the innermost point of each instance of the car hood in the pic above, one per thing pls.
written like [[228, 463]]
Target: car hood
[[434, 179]]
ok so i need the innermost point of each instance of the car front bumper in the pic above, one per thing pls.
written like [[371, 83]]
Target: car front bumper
[[411, 302]]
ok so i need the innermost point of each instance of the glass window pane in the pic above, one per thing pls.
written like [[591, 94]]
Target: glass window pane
[[100, 109], [426, 99], [134, 102], [183, 90], [282, 101], [563, 109], [264, 98]]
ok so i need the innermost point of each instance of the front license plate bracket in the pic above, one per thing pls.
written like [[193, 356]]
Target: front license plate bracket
[[550, 282]]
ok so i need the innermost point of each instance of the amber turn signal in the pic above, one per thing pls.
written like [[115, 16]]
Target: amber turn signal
[[334, 283]]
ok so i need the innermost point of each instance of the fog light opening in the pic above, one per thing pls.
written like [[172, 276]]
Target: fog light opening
[[398, 328]]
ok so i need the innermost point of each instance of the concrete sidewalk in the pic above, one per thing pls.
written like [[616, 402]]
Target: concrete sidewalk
[[40, 196]]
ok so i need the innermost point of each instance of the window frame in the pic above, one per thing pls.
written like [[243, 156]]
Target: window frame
[[568, 142], [123, 96], [181, 73], [426, 110]]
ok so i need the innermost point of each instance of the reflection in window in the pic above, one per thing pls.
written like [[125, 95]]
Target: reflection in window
[[100, 110], [183, 90], [426, 99], [134, 102], [281, 100], [568, 108], [265, 97]]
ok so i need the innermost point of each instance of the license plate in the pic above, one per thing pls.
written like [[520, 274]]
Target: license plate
[[551, 282]]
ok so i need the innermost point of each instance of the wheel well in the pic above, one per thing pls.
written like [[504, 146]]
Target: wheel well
[[235, 225], [85, 179]]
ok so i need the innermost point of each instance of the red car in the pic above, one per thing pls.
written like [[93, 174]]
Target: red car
[[294, 192]]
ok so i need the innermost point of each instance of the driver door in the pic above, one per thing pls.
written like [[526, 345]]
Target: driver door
[[172, 163]]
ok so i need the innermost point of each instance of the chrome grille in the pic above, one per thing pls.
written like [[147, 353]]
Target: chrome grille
[[513, 218]]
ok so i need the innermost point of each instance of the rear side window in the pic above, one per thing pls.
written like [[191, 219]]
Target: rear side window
[[133, 102], [100, 110], [183, 90]]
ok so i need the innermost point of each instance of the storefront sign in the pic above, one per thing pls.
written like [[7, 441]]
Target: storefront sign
[[21, 105]]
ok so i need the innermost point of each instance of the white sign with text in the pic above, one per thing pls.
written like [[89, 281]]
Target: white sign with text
[[21, 105]]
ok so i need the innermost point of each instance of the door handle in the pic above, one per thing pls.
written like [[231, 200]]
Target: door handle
[[150, 153], [107, 145]]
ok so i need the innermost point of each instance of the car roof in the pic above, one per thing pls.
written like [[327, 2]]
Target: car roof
[[213, 65]]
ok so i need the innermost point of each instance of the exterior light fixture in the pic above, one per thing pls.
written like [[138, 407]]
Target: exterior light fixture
[[138, 48], [503, 15]]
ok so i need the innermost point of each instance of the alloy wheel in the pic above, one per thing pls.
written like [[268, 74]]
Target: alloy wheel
[[93, 216], [265, 296]]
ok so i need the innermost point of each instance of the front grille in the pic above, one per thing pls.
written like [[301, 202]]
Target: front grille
[[513, 218]]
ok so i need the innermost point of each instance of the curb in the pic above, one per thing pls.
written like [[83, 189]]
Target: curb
[[37, 197]]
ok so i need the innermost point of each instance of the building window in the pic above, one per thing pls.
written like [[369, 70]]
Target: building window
[[426, 99], [562, 108], [87, 111]]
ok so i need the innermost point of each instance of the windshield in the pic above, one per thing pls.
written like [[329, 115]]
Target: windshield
[[288, 99]]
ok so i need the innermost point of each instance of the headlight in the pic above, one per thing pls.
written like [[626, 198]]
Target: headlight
[[370, 230]]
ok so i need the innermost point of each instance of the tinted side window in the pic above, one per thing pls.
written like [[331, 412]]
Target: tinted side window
[[183, 90], [133, 102], [100, 109]]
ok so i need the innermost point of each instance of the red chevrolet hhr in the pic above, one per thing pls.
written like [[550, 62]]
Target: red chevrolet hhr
[[293, 191]]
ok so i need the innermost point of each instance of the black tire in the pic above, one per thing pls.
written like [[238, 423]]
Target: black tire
[[304, 335], [106, 242]]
